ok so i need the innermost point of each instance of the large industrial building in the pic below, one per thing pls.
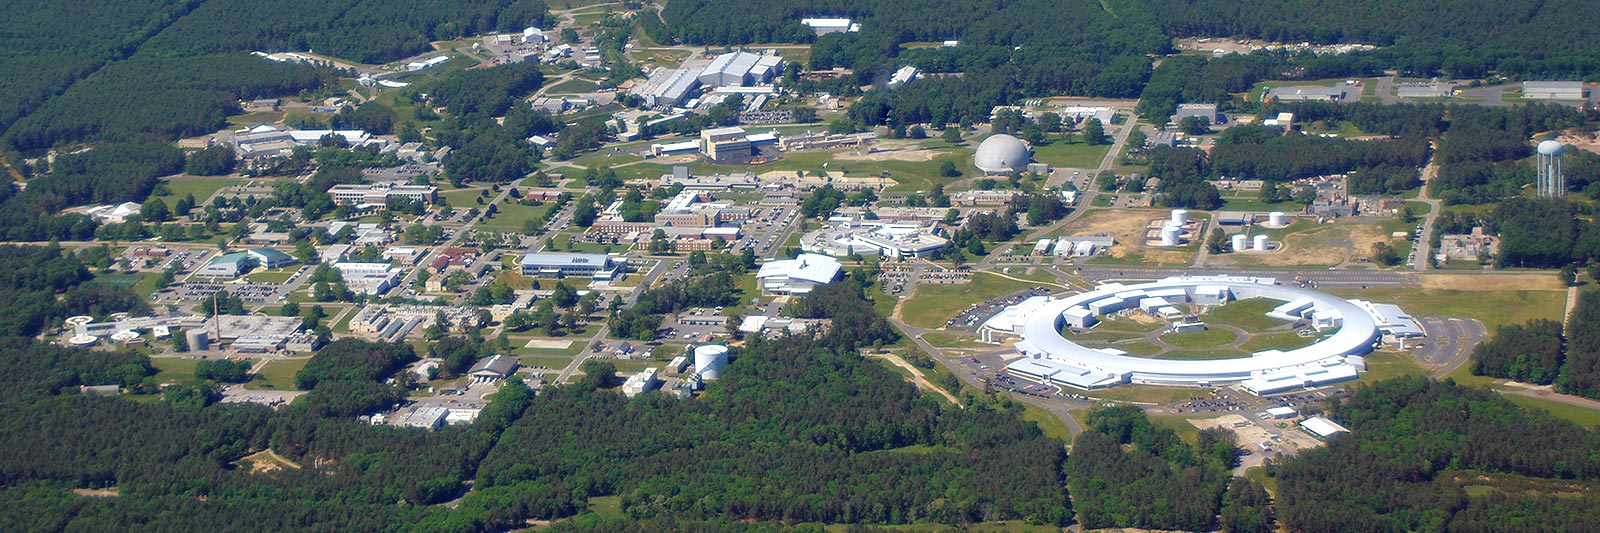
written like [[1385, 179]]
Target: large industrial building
[[668, 86], [596, 266], [368, 278], [739, 69], [725, 145], [229, 265], [799, 275], [1552, 90], [1337, 93], [379, 193], [1001, 154], [867, 238], [1051, 358]]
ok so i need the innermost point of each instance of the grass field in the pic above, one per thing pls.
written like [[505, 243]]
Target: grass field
[[1145, 394], [278, 375], [1180, 425], [1384, 365], [512, 216], [574, 85], [932, 305], [1047, 421], [951, 340], [201, 188], [1276, 341], [1249, 314], [1204, 338], [272, 276], [464, 199], [1493, 308], [173, 369], [1063, 153], [1582, 416], [142, 284]]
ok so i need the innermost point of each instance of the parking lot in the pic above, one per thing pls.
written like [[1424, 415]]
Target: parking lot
[[977, 314], [249, 292]]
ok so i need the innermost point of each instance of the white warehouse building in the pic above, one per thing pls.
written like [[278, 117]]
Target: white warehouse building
[[799, 275]]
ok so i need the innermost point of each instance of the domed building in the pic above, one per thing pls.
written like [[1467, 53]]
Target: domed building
[[1001, 154]]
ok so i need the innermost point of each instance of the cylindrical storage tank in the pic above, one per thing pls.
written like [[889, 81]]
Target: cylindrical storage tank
[[82, 340], [709, 361], [1170, 234], [1180, 217], [1239, 242], [124, 337], [1261, 243], [1275, 218], [198, 339]]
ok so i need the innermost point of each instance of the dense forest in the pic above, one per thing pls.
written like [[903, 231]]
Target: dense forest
[[1425, 455], [1127, 472], [1530, 353], [800, 429]]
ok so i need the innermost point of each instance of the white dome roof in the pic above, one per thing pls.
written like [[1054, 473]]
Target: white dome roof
[[1550, 148], [1001, 154]]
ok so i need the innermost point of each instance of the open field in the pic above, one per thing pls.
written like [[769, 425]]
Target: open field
[[1052, 425], [1495, 282], [278, 375], [1582, 416], [1382, 365], [512, 216], [273, 276], [1205, 338], [574, 85], [173, 369], [1276, 341], [1074, 153], [1493, 308], [1145, 393], [1323, 246], [932, 305], [1128, 227], [1249, 314], [201, 188]]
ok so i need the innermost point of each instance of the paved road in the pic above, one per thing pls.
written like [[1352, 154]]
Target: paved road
[[1449, 343], [588, 348], [1061, 409], [1421, 251], [1324, 278]]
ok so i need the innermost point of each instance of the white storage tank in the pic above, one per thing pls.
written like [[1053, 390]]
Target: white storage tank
[[1180, 217], [1239, 242], [1261, 243], [1170, 235], [198, 339], [1275, 218], [709, 361]]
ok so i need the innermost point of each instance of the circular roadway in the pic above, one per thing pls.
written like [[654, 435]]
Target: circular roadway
[[1355, 336]]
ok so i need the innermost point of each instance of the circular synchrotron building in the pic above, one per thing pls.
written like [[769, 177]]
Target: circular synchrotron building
[[1049, 357]]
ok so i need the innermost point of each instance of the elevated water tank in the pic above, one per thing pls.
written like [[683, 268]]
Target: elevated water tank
[[1551, 148], [709, 361], [1275, 218], [1260, 242], [1180, 217], [1239, 242]]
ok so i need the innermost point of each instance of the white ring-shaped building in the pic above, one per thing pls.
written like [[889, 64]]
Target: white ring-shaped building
[[1049, 357]]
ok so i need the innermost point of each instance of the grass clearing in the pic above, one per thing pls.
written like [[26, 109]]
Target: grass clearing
[[1493, 308], [932, 305], [1073, 153], [1382, 365], [1276, 341], [1145, 394], [513, 216], [273, 276], [1204, 338], [1249, 314], [201, 188], [278, 374], [1052, 425], [572, 86], [1583, 416], [1180, 425], [173, 369]]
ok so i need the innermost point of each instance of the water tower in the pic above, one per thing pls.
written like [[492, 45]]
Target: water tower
[[1551, 183]]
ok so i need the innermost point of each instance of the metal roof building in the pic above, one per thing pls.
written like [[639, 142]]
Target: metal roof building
[[597, 266], [799, 275]]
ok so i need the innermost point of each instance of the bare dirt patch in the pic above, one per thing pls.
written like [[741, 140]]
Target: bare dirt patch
[[266, 462], [1492, 282], [548, 344], [1325, 245], [96, 493], [1128, 227]]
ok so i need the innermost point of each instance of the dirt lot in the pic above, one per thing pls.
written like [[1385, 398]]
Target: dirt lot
[[1319, 246], [1496, 282], [1589, 142], [1291, 442], [1128, 227]]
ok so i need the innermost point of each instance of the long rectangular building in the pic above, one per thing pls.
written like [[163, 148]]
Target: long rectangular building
[[597, 266], [378, 193]]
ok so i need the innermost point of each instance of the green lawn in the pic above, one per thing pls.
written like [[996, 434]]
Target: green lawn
[[1276, 341], [172, 369], [1145, 394], [1384, 365], [201, 188], [574, 85], [932, 305], [278, 375], [951, 340], [1052, 425], [1179, 425], [512, 216], [1249, 314], [272, 276], [143, 284], [1204, 338], [463, 199], [1582, 416], [1494, 308], [1062, 153]]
